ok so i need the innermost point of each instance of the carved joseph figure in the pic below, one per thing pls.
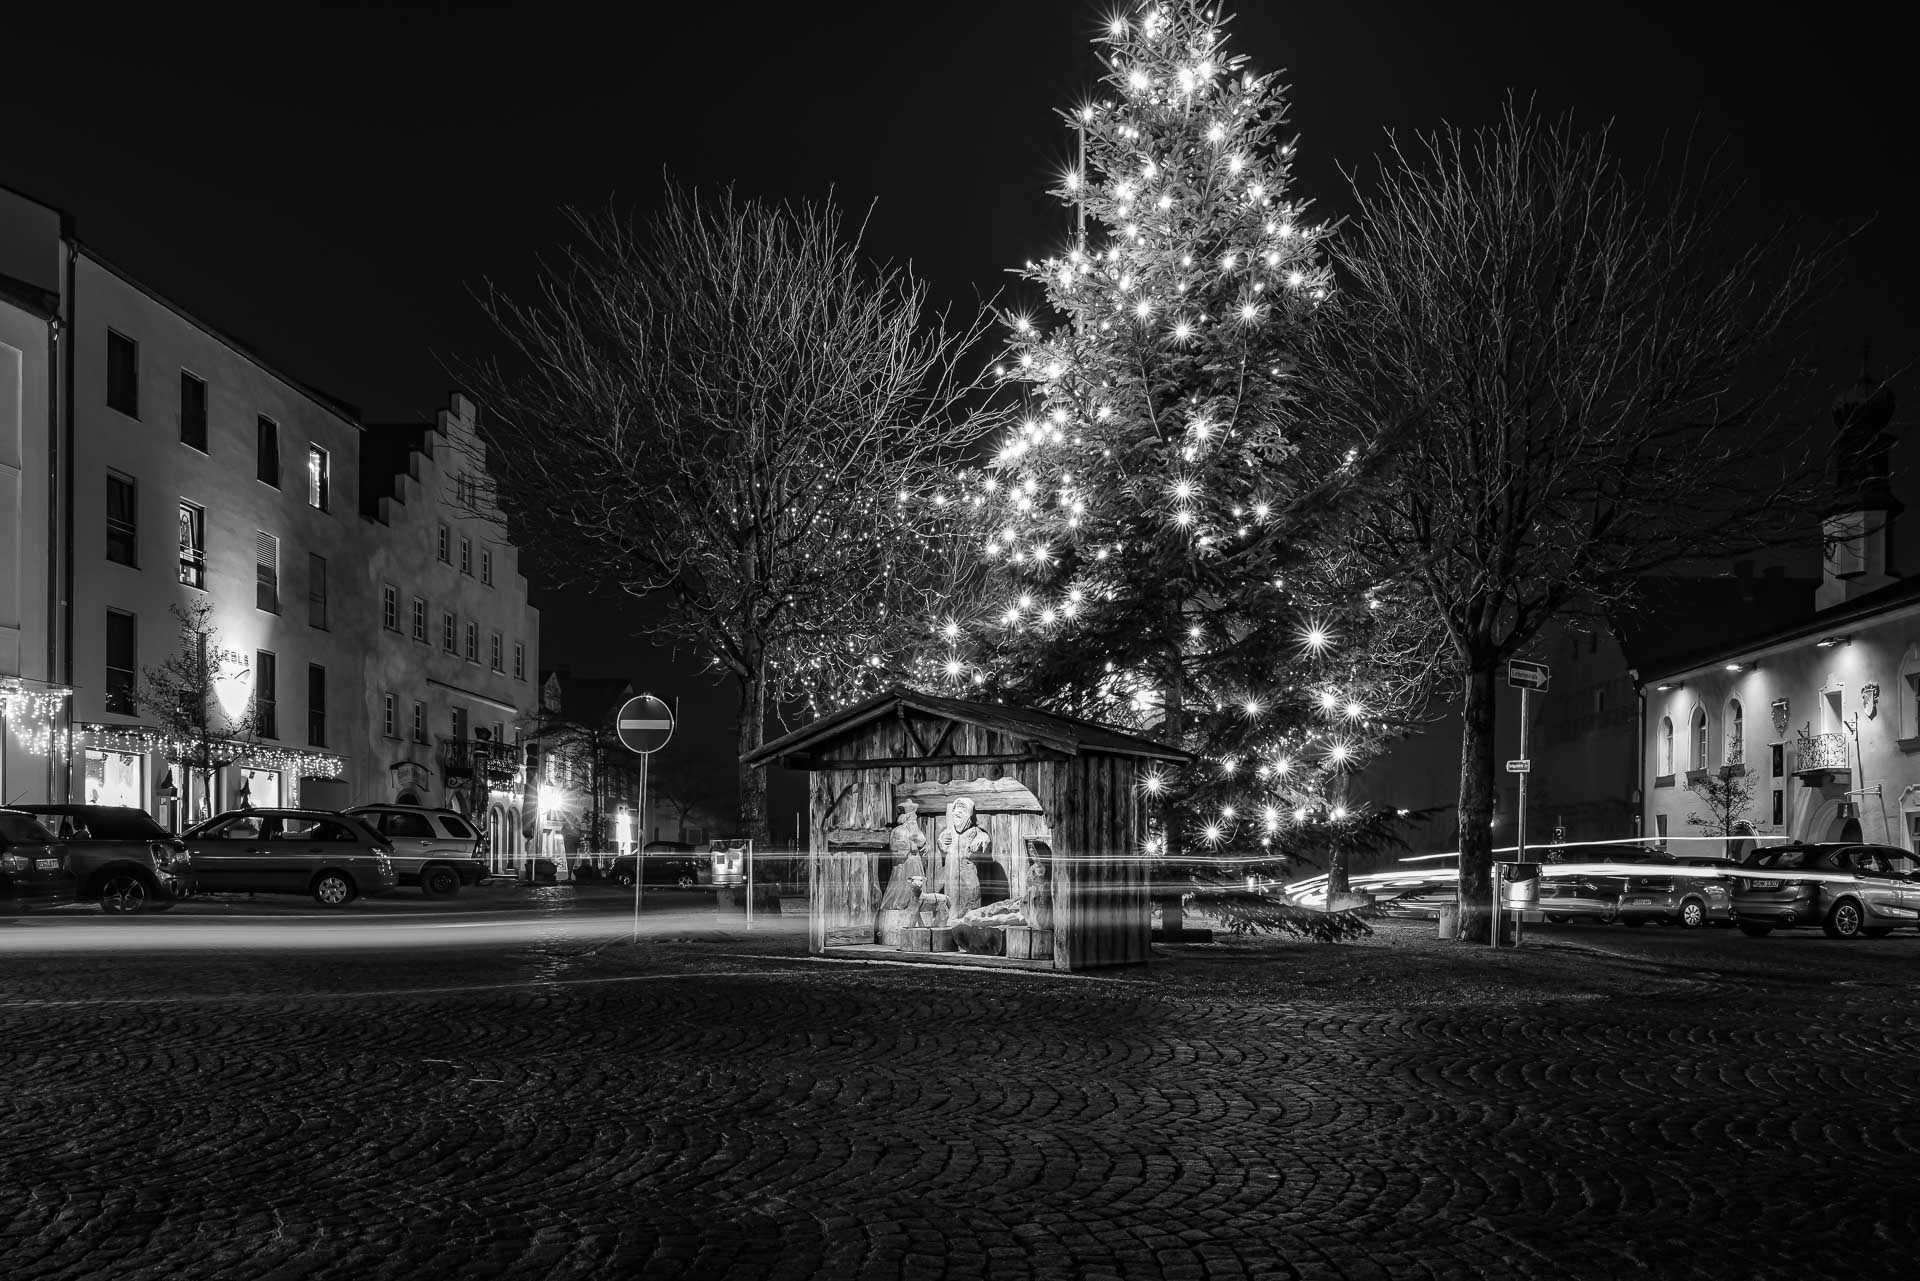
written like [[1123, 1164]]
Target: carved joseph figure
[[961, 841]]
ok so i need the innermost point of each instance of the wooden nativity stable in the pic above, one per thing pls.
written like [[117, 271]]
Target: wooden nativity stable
[[1046, 812]]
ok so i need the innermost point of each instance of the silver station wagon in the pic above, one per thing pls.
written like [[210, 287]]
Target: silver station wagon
[[1850, 891]]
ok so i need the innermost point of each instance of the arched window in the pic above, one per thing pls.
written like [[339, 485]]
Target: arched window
[[1699, 738], [1666, 745], [1736, 733]]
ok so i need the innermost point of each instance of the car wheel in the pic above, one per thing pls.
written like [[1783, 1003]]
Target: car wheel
[[685, 882], [333, 889], [1693, 914], [1755, 929], [1878, 932], [623, 878], [1844, 921], [124, 894], [437, 880]]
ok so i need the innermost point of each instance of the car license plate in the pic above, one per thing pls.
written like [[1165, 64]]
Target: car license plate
[[1763, 885], [46, 864]]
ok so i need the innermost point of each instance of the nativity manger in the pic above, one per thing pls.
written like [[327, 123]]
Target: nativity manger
[[943, 828]]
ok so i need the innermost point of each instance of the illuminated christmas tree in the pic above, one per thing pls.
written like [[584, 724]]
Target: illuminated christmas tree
[[1166, 552]]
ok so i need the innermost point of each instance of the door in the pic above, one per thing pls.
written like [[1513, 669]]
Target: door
[[227, 856]]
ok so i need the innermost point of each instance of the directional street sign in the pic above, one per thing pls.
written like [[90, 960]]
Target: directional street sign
[[1525, 675], [644, 724], [1519, 767]]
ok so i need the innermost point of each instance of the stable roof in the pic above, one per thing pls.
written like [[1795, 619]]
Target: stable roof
[[1067, 734]]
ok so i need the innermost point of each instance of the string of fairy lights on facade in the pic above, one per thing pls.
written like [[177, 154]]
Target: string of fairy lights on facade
[[1188, 246], [135, 739], [35, 713]]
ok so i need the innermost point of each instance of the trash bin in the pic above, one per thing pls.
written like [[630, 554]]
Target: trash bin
[[1519, 886], [1449, 920]]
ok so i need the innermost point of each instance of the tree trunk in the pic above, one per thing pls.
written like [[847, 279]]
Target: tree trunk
[[753, 779], [1476, 799], [1338, 882]]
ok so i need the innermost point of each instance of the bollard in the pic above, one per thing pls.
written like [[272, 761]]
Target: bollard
[[1449, 920]]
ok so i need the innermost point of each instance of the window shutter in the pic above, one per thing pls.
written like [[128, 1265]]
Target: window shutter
[[266, 562]]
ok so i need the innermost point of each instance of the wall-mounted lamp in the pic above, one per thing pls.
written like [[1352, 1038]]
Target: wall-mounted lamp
[[1741, 667], [1828, 642], [1667, 685]]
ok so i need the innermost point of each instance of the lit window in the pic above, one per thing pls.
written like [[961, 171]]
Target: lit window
[[319, 468], [193, 546]]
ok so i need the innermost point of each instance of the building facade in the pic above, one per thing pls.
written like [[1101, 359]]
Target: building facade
[[453, 656], [154, 472]]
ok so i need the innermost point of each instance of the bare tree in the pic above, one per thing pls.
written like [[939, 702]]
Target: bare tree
[[1728, 795], [726, 405], [185, 695], [1580, 383]]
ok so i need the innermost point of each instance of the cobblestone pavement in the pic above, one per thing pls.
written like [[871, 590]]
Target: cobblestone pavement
[[711, 1103]]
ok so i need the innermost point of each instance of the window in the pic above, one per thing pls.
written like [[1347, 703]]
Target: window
[[449, 634], [1666, 746], [473, 642], [1778, 765], [316, 591], [456, 827], [1908, 691], [460, 724], [499, 664], [266, 572], [1779, 806], [266, 696], [266, 434], [466, 491], [123, 374], [419, 721], [519, 661], [446, 545], [403, 824], [486, 566], [316, 705], [193, 546], [390, 607], [1736, 733], [466, 557], [1660, 830], [420, 620], [193, 411], [499, 732], [123, 519], [390, 715], [319, 477], [1699, 738], [121, 661]]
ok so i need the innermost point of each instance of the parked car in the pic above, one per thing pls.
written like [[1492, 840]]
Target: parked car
[[1847, 890], [334, 857], [119, 857], [667, 863], [1684, 892], [436, 849], [1579, 885], [33, 865]]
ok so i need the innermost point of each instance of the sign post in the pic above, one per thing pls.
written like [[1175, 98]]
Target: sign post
[[1528, 677], [643, 724]]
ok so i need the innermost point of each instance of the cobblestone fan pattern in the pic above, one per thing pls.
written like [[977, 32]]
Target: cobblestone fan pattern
[[701, 1107]]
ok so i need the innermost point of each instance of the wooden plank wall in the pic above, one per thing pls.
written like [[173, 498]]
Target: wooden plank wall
[[1101, 898]]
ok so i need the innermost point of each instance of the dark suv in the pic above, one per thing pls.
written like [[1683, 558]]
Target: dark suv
[[1847, 890], [120, 858], [33, 866]]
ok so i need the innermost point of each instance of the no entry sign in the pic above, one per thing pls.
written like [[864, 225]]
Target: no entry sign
[[644, 724]]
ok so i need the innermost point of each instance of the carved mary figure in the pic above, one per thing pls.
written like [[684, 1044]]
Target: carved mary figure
[[962, 841]]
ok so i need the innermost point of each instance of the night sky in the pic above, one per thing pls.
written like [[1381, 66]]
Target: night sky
[[330, 184]]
